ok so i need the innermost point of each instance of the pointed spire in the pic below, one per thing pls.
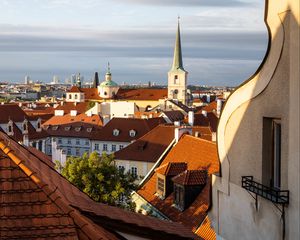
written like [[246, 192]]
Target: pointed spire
[[108, 68], [78, 83], [177, 60], [96, 80]]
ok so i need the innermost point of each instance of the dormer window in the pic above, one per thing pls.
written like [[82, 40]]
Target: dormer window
[[77, 129], [89, 130], [67, 128], [132, 133], [39, 125], [10, 128], [54, 128], [76, 96], [25, 126], [187, 186], [164, 174], [116, 132], [70, 96]]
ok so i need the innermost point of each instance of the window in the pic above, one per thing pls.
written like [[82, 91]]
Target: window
[[77, 141], [77, 129], [67, 128], [161, 184], [69, 141], [113, 148], [104, 147], [105, 93], [87, 142], [175, 79], [70, 96], [77, 152], [54, 128], [134, 171], [179, 197], [9, 129], [25, 126], [75, 96], [96, 147], [132, 133], [271, 162], [121, 147], [116, 132], [121, 168], [59, 141], [89, 130], [69, 152], [39, 124]]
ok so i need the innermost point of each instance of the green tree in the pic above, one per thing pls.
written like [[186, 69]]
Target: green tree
[[98, 177]]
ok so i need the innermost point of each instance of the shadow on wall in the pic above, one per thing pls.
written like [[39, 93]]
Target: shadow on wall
[[247, 145]]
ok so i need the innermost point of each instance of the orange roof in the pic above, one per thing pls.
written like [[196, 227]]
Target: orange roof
[[58, 120], [211, 107], [198, 154], [191, 177], [91, 94], [81, 107], [171, 168], [74, 89], [37, 202], [206, 231], [11, 112], [149, 147], [153, 94]]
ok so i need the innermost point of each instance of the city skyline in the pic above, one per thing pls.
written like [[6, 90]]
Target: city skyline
[[221, 44]]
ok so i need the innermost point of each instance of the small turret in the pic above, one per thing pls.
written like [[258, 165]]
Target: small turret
[[78, 81]]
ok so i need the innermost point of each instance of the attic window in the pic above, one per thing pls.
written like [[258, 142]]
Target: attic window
[[77, 129], [116, 132], [67, 128], [89, 129], [160, 185], [54, 128], [132, 133]]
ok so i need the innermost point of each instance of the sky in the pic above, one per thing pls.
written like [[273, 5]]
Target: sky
[[223, 41]]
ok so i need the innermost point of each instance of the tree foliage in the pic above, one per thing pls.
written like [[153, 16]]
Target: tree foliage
[[98, 177]]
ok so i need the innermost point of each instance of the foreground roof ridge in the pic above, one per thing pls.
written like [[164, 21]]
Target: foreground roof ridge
[[88, 228]]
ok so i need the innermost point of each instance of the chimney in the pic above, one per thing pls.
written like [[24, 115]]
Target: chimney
[[177, 123], [62, 103], [191, 118], [73, 113], [204, 113], [59, 112], [179, 131], [219, 106], [208, 98], [89, 114]]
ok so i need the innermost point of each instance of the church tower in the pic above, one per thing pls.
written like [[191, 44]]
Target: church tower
[[177, 76]]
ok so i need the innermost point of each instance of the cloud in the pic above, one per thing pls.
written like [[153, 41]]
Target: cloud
[[190, 3]]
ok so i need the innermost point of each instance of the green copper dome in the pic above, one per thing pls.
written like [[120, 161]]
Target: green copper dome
[[108, 84]]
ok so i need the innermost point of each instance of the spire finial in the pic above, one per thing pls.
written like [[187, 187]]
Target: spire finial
[[108, 67]]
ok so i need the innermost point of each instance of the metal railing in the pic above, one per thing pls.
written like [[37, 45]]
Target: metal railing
[[271, 194]]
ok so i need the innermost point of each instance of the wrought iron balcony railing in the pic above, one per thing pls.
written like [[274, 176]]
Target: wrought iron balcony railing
[[274, 195]]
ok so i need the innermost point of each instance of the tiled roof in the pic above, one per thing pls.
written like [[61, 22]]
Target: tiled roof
[[91, 94], [202, 132], [37, 202], [206, 231], [174, 115], [198, 154], [11, 112], [81, 107], [210, 121], [211, 107], [181, 105], [149, 147], [67, 118], [142, 94], [172, 168], [191, 177], [124, 125], [77, 129], [74, 89]]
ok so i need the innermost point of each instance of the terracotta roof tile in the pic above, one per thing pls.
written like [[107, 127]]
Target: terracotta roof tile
[[66, 119], [74, 89], [206, 231], [191, 177], [91, 94], [172, 168], [124, 125], [198, 154], [11, 112], [149, 147], [42, 204], [142, 94]]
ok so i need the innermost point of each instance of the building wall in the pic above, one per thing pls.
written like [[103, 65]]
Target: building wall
[[142, 167], [100, 150], [272, 92]]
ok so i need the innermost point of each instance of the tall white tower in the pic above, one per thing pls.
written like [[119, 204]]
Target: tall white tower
[[177, 76]]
